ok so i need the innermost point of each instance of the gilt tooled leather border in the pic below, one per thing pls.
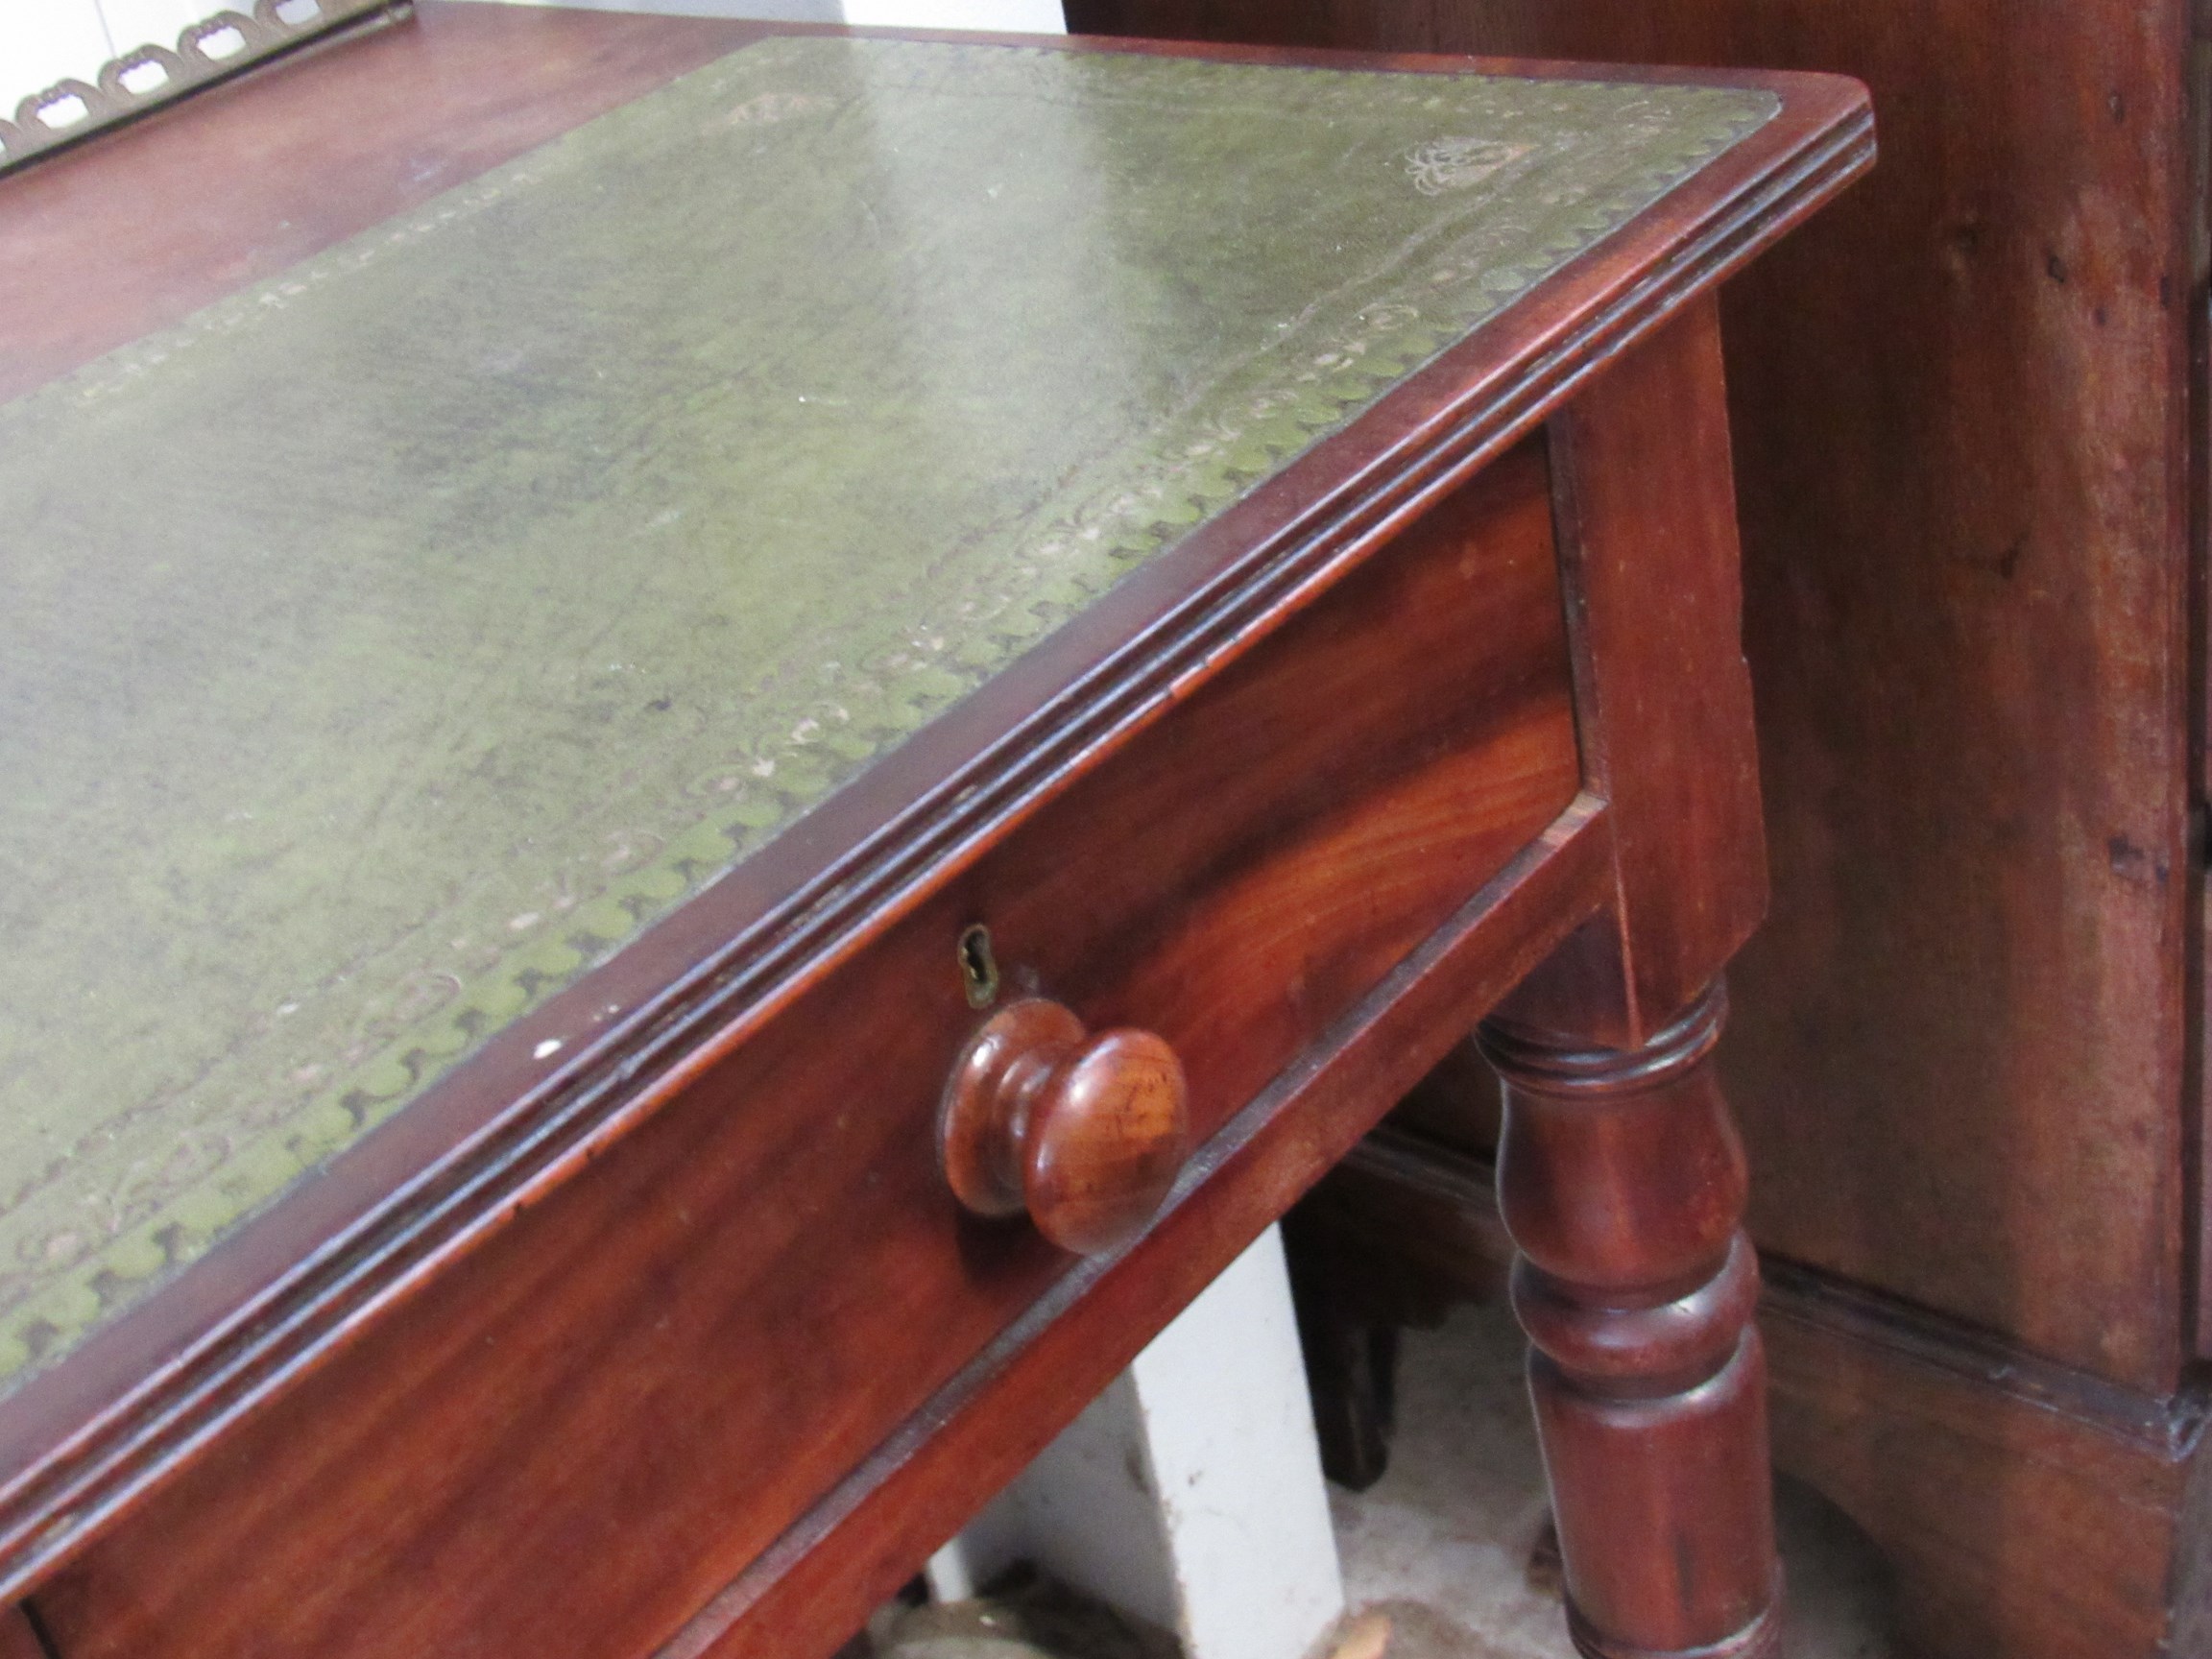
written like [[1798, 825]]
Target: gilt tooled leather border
[[804, 740]]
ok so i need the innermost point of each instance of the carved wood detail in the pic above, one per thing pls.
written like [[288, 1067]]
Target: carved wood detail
[[1622, 1181]]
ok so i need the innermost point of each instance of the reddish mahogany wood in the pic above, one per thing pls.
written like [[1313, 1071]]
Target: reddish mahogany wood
[[1648, 534], [661, 1366], [1970, 416], [1621, 1176], [823, 1576], [81, 1443], [549, 1368], [1622, 1181], [2027, 1508], [1906, 1422], [1083, 1133], [1964, 405], [118, 238], [17, 1639]]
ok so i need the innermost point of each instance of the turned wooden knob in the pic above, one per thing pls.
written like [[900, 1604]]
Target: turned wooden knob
[[1085, 1133]]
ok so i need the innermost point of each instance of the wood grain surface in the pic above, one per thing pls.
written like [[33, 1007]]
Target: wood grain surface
[[537, 620], [822, 1577], [2025, 1508], [1621, 1180], [1962, 416], [1622, 1177], [664, 1364], [1966, 1045], [110, 241], [17, 1639], [167, 1385], [1648, 530], [1084, 1133]]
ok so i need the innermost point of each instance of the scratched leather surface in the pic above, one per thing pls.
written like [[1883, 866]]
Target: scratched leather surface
[[389, 643]]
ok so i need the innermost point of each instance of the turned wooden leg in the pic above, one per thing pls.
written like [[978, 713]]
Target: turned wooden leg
[[1621, 1180]]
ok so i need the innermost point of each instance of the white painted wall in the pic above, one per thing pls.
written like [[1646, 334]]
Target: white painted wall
[[1189, 1493], [1035, 16], [43, 42], [1020, 16]]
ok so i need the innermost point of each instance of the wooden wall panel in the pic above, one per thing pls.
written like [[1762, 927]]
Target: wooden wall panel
[[1960, 412]]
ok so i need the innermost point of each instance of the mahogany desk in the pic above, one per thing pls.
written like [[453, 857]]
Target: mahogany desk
[[603, 714]]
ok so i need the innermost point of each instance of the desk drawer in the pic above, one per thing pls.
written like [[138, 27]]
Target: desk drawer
[[571, 1439]]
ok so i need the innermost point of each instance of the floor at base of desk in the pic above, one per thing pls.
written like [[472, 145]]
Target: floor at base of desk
[[1445, 1558]]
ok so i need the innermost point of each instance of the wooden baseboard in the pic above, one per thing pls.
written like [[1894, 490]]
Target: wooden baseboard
[[2030, 1511]]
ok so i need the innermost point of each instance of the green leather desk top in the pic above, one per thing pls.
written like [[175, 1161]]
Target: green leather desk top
[[386, 645]]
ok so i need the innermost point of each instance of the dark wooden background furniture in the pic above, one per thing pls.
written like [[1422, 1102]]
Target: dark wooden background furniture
[[654, 1326], [1967, 1047]]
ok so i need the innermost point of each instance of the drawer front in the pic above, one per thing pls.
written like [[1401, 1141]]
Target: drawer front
[[569, 1441]]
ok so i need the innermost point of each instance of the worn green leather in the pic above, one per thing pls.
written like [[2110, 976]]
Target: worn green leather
[[389, 643]]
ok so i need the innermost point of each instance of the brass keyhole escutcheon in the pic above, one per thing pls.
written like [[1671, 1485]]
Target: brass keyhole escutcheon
[[979, 969]]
